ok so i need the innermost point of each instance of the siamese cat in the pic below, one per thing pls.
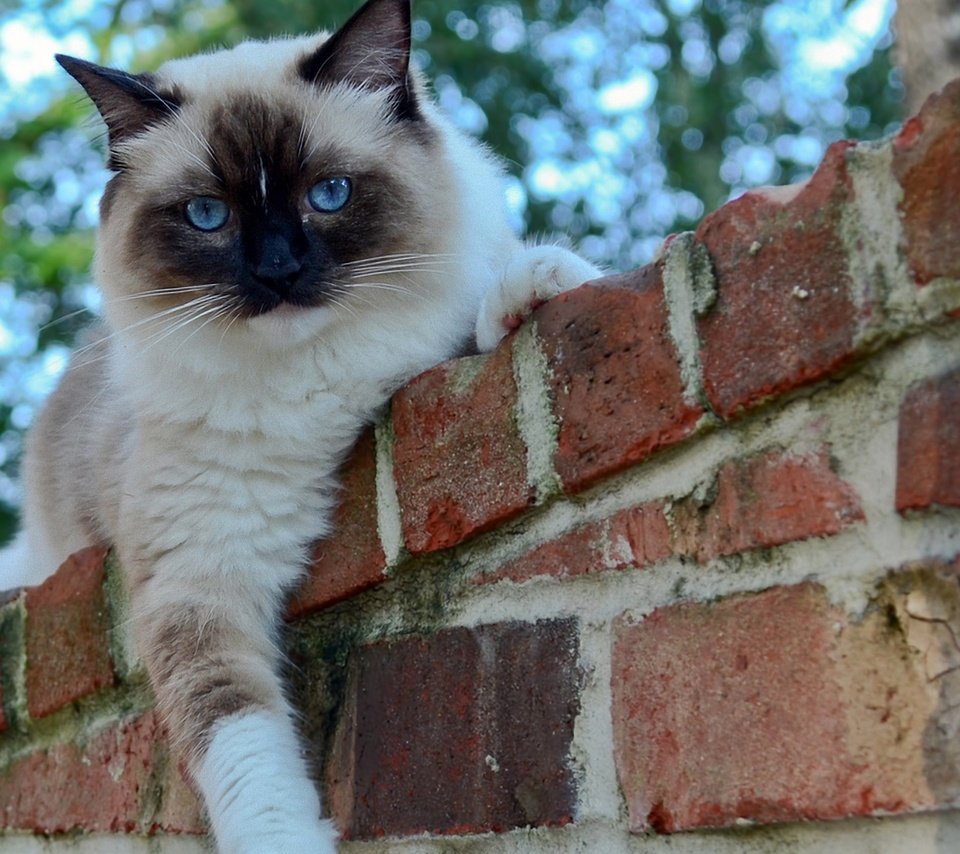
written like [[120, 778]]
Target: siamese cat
[[291, 233]]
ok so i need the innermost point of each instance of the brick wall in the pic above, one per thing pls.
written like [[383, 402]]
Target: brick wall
[[676, 568]]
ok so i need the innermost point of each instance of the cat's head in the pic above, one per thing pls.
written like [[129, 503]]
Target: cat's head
[[270, 178]]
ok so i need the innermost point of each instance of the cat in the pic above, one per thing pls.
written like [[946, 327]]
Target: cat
[[292, 231]]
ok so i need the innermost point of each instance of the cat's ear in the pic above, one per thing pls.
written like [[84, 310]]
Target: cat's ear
[[370, 51], [128, 103]]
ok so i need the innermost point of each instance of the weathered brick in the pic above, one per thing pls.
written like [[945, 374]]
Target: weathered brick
[[67, 634], [639, 536], [170, 804], [11, 653], [784, 313], [632, 538], [779, 707], [119, 780], [465, 731], [928, 444], [614, 376], [351, 559], [459, 460], [926, 163], [767, 500]]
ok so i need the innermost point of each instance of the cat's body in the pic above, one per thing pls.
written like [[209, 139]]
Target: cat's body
[[255, 322]]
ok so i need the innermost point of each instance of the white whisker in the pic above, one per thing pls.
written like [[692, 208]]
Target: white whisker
[[235, 310], [64, 319], [413, 268], [158, 292], [400, 256], [214, 314], [384, 286], [181, 323], [337, 302], [157, 317]]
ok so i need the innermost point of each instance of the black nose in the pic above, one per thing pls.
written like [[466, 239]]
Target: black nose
[[278, 262]]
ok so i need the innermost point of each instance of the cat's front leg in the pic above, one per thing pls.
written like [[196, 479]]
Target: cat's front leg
[[532, 275], [208, 641], [258, 795]]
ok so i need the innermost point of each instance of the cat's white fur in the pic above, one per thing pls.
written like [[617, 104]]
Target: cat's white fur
[[253, 780], [223, 467]]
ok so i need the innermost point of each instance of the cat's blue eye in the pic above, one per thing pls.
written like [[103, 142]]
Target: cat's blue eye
[[330, 195], [207, 213]]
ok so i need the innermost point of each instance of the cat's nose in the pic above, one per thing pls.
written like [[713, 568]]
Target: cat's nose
[[278, 264], [278, 271]]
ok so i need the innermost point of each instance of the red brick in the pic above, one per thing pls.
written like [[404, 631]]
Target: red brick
[[351, 559], [640, 536], [119, 780], [779, 707], [68, 634], [767, 500], [614, 376], [459, 460], [926, 162], [784, 315], [465, 731], [170, 805], [928, 444], [760, 502], [575, 553], [632, 538]]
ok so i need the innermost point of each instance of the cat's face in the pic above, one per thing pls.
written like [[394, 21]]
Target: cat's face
[[273, 177]]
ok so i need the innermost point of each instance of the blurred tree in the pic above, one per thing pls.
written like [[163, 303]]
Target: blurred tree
[[928, 47], [620, 121]]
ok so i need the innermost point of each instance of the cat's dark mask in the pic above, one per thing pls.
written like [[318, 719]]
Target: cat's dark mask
[[253, 212], [371, 51]]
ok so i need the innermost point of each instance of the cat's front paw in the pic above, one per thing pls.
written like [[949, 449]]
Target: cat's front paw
[[532, 276], [309, 837]]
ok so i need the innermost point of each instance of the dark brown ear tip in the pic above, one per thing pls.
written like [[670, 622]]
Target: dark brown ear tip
[[370, 51], [70, 64], [80, 70]]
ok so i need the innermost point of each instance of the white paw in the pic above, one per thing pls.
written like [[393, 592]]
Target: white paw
[[531, 277], [308, 837], [258, 795]]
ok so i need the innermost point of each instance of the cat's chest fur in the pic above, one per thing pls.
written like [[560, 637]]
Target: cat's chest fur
[[247, 439], [254, 450]]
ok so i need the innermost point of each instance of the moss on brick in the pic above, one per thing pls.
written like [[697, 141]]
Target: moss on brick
[[124, 660], [79, 720], [13, 659]]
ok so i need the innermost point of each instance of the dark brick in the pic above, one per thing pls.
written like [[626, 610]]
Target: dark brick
[[465, 731], [784, 315], [614, 376], [928, 444]]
